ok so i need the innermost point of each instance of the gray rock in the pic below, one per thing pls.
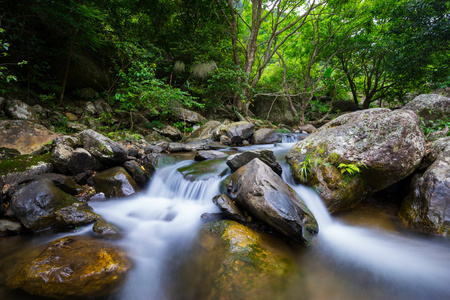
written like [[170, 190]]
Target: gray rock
[[229, 208], [89, 107], [170, 132], [9, 227], [205, 144], [35, 204], [103, 148], [427, 205], [78, 214], [188, 116], [23, 168], [430, 107], [178, 147], [115, 182], [385, 146], [238, 160], [209, 154], [102, 107], [261, 193], [105, 229], [266, 136], [17, 109], [206, 131], [237, 131], [73, 161]]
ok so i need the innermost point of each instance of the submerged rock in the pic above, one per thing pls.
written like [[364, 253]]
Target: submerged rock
[[260, 192], [72, 266], [358, 154], [240, 263], [427, 206], [204, 170], [115, 182]]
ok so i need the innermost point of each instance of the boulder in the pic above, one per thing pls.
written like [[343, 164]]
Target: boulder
[[64, 183], [266, 136], [35, 204], [206, 131], [103, 148], [237, 131], [427, 205], [171, 132], [77, 214], [17, 109], [189, 116], [178, 147], [24, 136], [209, 154], [430, 107], [262, 194], [238, 160], [229, 208], [72, 267], [115, 182], [358, 154], [139, 175], [205, 144], [308, 128], [102, 107], [73, 161]]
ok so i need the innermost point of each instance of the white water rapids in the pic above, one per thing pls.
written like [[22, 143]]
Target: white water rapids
[[166, 218]]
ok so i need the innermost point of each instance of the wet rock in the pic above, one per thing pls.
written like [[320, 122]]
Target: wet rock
[[205, 144], [206, 131], [237, 131], [64, 183], [17, 109], [35, 204], [133, 151], [23, 168], [24, 136], [105, 229], [204, 170], [266, 136], [140, 176], [72, 266], [103, 148], [78, 214], [178, 147], [155, 161], [9, 227], [430, 107], [427, 205], [115, 182], [261, 193], [74, 161], [384, 146], [229, 208], [238, 160], [209, 154]]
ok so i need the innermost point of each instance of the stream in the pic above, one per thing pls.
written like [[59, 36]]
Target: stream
[[362, 254]]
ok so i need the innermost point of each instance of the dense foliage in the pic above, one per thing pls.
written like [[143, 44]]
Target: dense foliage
[[205, 54]]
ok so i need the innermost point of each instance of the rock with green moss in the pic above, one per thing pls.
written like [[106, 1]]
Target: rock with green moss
[[358, 154], [24, 167], [115, 182], [262, 194], [103, 148], [427, 205], [204, 170], [241, 263], [206, 131], [35, 204], [430, 107], [72, 267], [105, 229]]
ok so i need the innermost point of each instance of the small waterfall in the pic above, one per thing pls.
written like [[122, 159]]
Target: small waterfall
[[292, 137], [157, 224], [411, 267]]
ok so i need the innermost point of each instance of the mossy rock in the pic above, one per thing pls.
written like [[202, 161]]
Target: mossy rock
[[23, 167], [115, 182]]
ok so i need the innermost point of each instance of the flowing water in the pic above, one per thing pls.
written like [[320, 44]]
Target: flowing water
[[346, 261]]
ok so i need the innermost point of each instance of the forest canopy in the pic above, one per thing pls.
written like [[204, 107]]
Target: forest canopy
[[211, 53]]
